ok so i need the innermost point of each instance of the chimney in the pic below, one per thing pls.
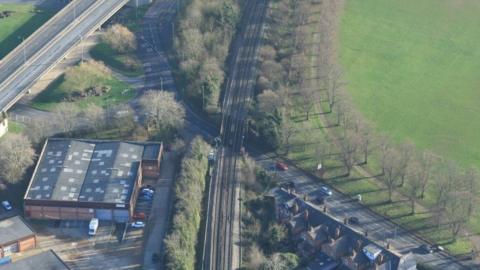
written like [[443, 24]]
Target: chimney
[[295, 208], [337, 233], [305, 214], [358, 245], [380, 259]]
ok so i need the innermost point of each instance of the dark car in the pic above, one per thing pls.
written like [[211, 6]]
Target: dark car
[[281, 166], [288, 185], [427, 249], [353, 220], [319, 200]]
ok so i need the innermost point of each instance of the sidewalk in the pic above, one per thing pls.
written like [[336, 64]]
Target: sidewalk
[[160, 213]]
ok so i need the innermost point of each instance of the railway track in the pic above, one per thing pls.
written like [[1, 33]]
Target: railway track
[[218, 247]]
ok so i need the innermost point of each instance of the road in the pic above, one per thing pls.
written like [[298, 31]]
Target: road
[[49, 44], [379, 229], [218, 247]]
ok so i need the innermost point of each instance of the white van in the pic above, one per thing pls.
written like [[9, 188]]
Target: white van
[[93, 226]]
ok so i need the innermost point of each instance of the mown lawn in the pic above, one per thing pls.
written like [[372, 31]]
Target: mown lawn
[[412, 68], [319, 130], [120, 92], [24, 20]]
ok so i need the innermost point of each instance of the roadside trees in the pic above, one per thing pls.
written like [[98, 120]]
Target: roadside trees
[[392, 171], [164, 114], [17, 155], [119, 38]]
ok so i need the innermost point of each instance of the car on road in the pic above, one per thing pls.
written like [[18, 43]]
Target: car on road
[[288, 185], [353, 220], [138, 224], [7, 205], [325, 190], [281, 166]]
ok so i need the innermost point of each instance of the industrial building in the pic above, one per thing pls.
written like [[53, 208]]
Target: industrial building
[[78, 179], [15, 236]]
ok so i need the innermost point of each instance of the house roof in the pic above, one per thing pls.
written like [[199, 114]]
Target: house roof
[[88, 170], [348, 238], [47, 260], [13, 229]]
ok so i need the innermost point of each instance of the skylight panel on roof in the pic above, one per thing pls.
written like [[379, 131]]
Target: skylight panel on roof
[[53, 169], [44, 170], [68, 170], [63, 188], [51, 161], [71, 180], [44, 179]]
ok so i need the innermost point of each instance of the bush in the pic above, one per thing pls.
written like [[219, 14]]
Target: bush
[[119, 38], [181, 242]]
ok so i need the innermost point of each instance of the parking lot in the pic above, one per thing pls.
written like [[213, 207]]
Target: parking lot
[[70, 240]]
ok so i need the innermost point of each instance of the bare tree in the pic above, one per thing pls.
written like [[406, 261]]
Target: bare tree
[[472, 177], [120, 38], [444, 185], [425, 163], [385, 145], [406, 152], [162, 110], [456, 211], [348, 147], [66, 117], [39, 130], [333, 84], [288, 129], [17, 155], [269, 102], [309, 98], [414, 183], [391, 171], [365, 140], [95, 116]]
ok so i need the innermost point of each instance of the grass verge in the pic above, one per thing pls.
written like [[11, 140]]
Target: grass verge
[[24, 20], [103, 52]]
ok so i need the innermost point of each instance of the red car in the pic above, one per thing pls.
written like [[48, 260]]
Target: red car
[[281, 166]]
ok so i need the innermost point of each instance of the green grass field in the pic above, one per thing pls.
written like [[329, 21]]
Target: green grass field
[[412, 68], [103, 52], [24, 20], [57, 90]]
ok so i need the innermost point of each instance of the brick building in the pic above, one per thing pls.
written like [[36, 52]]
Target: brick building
[[15, 236], [81, 179]]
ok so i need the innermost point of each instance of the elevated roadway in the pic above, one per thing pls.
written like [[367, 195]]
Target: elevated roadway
[[35, 56]]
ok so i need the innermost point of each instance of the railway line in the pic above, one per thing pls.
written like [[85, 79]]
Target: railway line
[[238, 92]]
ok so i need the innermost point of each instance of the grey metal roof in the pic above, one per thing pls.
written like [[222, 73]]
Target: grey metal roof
[[47, 260], [90, 171], [13, 229], [151, 152], [112, 172]]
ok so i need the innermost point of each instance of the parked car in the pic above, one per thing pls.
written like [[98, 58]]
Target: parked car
[[353, 220], [147, 191], [427, 249], [7, 205], [281, 166], [149, 187], [325, 190], [288, 185], [138, 224], [93, 226], [437, 248], [319, 200], [139, 216]]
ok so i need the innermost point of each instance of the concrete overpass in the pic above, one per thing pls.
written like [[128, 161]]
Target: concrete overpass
[[35, 56]]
